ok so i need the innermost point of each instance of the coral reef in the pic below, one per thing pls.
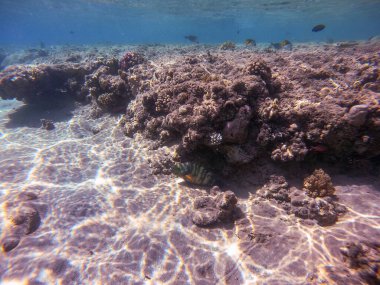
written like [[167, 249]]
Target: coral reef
[[197, 108], [323, 210], [214, 208], [256, 106], [42, 83], [240, 106]]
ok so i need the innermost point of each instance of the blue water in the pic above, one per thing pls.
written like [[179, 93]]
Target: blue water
[[30, 22]]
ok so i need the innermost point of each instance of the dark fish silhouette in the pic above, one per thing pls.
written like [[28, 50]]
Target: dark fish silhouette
[[318, 28], [72, 32], [192, 38]]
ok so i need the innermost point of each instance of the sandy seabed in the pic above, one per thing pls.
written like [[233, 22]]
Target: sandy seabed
[[92, 212]]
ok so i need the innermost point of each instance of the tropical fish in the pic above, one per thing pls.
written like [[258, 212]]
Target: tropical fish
[[285, 44], [192, 38], [250, 42], [194, 173], [318, 28]]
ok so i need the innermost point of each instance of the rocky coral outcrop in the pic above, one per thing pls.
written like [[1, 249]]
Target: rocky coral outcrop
[[109, 91], [23, 217], [36, 84], [201, 104], [290, 107], [214, 208], [325, 211], [363, 257]]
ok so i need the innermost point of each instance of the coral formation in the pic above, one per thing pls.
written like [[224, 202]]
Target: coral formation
[[208, 103], [323, 210], [41, 83], [108, 90], [216, 207], [216, 113], [240, 106], [130, 59], [319, 184]]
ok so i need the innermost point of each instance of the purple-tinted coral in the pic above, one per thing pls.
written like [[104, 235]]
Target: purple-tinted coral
[[215, 208], [130, 59]]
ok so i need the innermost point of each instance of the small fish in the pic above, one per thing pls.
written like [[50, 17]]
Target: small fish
[[194, 173], [192, 38], [250, 42], [318, 28], [285, 43]]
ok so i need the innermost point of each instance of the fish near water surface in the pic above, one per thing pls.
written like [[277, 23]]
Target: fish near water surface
[[194, 173], [318, 28]]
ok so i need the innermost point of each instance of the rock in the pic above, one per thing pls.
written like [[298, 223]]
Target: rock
[[9, 243], [26, 196], [275, 188], [364, 258], [42, 83], [357, 115], [26, 217], [210, 210], [236, 130], [47, 124]]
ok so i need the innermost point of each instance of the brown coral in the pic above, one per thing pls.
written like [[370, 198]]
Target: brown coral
[[319, 184], [261, 69]]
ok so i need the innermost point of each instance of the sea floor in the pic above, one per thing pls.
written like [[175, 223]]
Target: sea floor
[[104, 218]]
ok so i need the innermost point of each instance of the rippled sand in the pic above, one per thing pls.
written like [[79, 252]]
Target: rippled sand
[[105, 219]]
